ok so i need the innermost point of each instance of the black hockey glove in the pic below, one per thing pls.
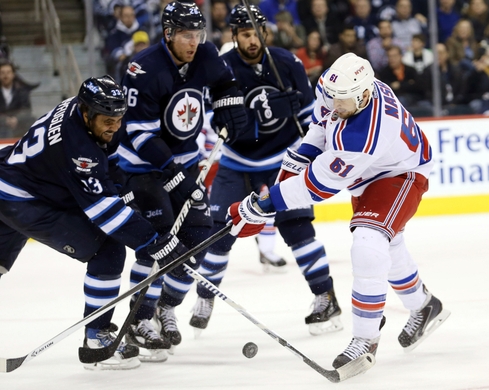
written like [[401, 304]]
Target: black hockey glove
[[181, 184], [282, 104], [164, 250], [229, 112]]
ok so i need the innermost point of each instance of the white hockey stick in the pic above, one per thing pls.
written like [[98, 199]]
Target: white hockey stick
[[200, 179], [355, 367], [11, 364]]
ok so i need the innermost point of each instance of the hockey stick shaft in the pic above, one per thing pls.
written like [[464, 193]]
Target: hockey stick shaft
[[353, 368], [200, 179], [89, 355], [270, 58], [11, 364]]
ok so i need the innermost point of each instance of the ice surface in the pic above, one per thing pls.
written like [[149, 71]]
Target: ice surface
[[43, 295]]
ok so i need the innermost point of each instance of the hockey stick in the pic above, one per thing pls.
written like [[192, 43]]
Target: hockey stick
[[11, 364], [353, 368], [270, 58], [90, 355], [200, 179]]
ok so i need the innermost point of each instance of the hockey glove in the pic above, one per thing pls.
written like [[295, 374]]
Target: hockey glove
[[164, 250], [181, 184], [282, 104], [250, 215], [293, 163], [229, 112]]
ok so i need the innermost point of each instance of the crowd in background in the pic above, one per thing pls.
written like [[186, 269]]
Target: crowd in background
[[392, 34]]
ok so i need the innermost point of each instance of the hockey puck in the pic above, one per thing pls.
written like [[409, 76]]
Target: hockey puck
[[250, 350]]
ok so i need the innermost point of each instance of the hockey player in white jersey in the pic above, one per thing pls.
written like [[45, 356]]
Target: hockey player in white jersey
[[370, 145]]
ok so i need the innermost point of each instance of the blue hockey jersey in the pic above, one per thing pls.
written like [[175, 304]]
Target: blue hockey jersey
[[166, 107], [263, 144], [59, 163]]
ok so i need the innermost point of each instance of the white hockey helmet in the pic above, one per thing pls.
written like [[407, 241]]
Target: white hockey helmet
[[348, 77]]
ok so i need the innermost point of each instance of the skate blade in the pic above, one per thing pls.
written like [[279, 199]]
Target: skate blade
[[271, 269], [333, 325], [171, 351], [153, 355], [356, 367], [438, 320], [113, 364], [197, 333]]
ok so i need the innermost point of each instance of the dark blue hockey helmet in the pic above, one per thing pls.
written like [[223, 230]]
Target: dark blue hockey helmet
[[102, 95], [239, 18], [181, 15]]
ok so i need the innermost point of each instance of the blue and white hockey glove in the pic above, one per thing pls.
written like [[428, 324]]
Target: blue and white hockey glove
[[165, 249], [293, 163], [281, 104], [229, 112], [181, 184], [250, 215]]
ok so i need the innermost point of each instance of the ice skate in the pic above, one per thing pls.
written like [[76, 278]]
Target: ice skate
[[357, 348], [152, 347], [423, 322], [125, 357], [202, 311], [325, 316], [272, 262], [167, 324]]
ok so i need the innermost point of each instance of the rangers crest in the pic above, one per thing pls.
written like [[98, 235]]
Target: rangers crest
[[84, 165]]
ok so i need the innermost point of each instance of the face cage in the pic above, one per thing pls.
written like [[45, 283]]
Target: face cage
[[171, 33]]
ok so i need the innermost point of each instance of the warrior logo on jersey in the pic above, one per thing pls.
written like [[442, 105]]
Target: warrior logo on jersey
[[183, 114], [84, 165], [133, 69], [258, 96]]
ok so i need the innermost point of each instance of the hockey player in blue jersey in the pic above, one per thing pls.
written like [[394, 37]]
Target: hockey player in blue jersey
[[254, 160], [56, 187], [164, 86]]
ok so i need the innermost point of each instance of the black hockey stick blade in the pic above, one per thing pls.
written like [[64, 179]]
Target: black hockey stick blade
[[91, 355], [11, 364]]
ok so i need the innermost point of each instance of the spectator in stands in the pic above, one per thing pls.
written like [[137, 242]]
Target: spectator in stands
[[270, 8], [477, 84], [322, 20], [403, 79], [462, 46], [376, 47], [404, 25], [106, 14], [418, 56], [452, 87], [119, 42], [219, 16], [337, 9], [348, 43], [383, 9], [15, 104], [363, 20], [312, 56], [478, 14], [288, 35], [447, 17]]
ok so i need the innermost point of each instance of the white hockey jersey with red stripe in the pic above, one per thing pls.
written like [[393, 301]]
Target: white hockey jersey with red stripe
[[383, 140]]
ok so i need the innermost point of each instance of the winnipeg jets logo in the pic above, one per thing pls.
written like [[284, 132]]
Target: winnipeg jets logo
[[188, 112], [84, 165], [183, 114], [133, 69]]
